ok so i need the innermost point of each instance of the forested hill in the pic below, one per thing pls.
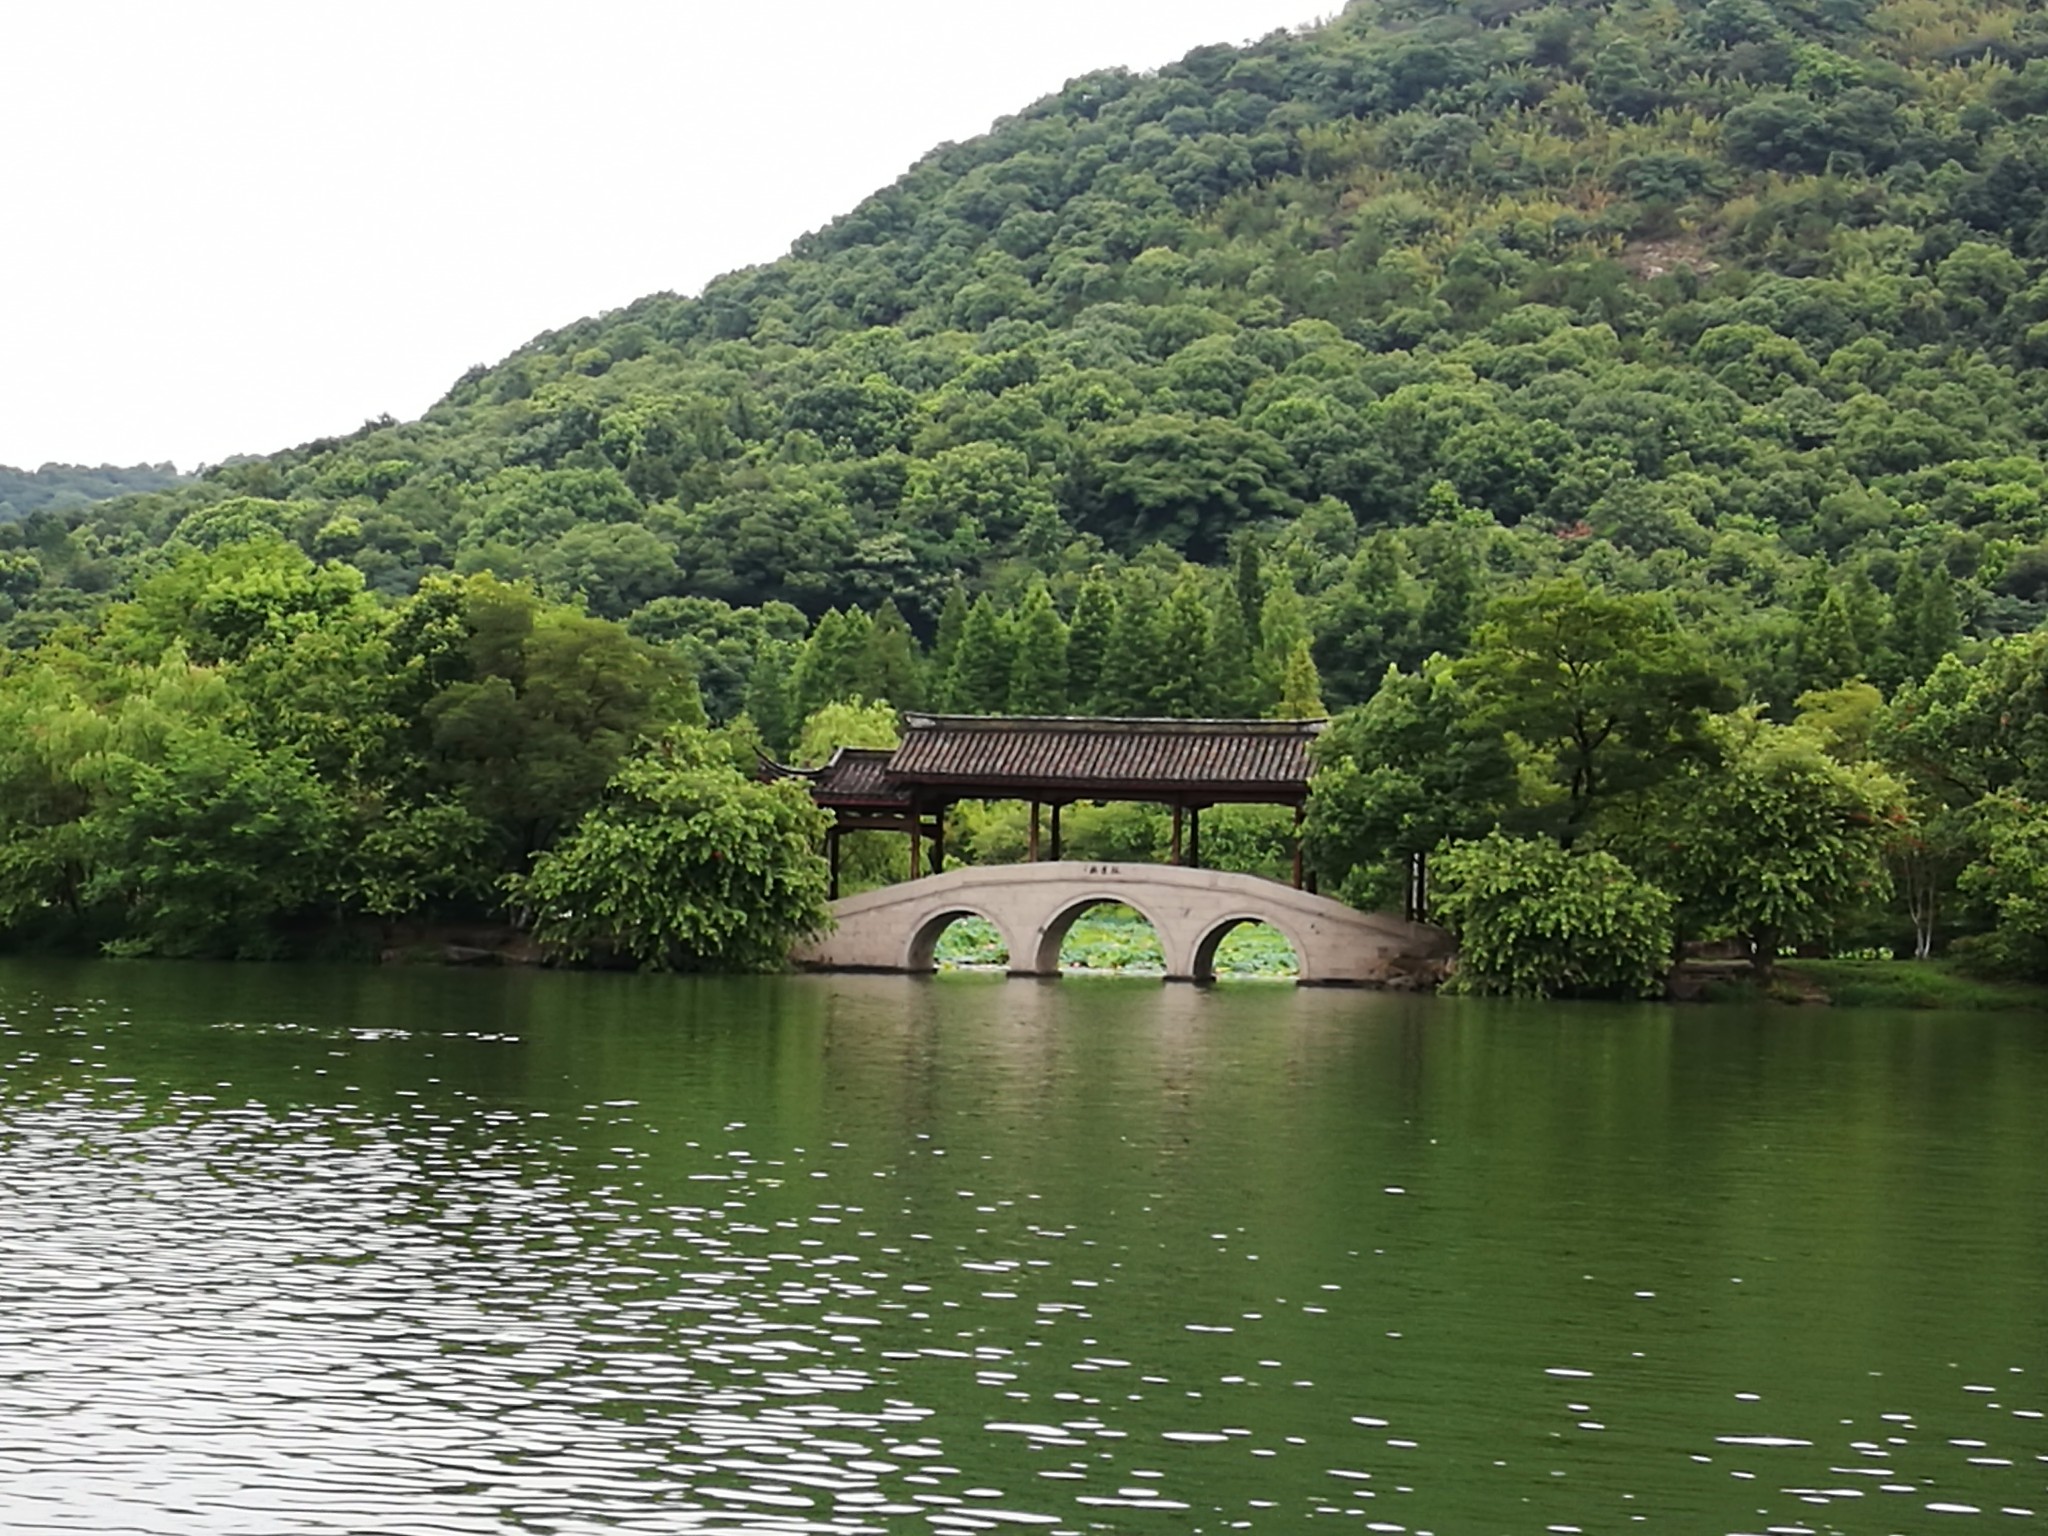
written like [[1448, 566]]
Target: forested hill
[[1657, 386], [60, 487], [1742, 301]]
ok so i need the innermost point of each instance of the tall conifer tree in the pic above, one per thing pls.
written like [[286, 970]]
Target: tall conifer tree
[[1233, 675], [1301, 686], [980, 679], [1038, 680], [1828, 654], [1185, 687], [1283, 623], [769, 698], [890, 669], [1088, 642], [946, 645], [1136, 665], [1939, 627], [1248, 587], [832, 661]]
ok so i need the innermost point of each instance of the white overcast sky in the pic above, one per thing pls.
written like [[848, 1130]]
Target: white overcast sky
[[231, 227]]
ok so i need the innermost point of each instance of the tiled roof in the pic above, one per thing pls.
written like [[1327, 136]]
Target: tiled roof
[[1063, 758], [860, 773], [1088, 758]]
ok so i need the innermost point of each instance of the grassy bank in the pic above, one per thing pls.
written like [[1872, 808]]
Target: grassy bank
[[1904, 984]]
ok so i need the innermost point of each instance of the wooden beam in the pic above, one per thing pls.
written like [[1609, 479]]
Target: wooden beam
[[1034, 831], [1176, 838], [1195, 836], [1055, 831]]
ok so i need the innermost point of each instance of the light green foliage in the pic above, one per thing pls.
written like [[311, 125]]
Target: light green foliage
[[687, 865], [1604, 688], [1249, 839], [1771, 839], [151, 818], [410, 858], [866, 859], [1533, 920], [206, 846], [1301, 687], [1844, 719], [1976, 728], [847, 723], [999, 832], [2009, 882]]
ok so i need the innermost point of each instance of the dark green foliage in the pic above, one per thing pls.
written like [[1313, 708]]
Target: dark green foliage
[[1408, 770], [1038, 677], [1088, 644], [890, 669], [978, 682]]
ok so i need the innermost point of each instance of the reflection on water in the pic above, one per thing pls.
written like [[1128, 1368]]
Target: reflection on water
[[358, 1251]]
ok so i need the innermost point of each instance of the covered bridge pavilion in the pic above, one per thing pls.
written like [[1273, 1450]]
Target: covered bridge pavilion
[[1053, 761]]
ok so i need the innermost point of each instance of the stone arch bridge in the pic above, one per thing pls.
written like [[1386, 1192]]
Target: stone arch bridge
[[1032, 906]]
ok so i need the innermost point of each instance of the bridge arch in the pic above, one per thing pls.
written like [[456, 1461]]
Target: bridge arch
[[1032, 906], [1052, 934], [921, 954], [1203, 967]]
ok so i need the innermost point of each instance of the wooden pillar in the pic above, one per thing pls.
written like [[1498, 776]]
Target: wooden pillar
[[1176, 835], [1195, 837], [1055, 831], [939, 841], [1299, 813], [916, 831], [1034, 831], [832, 862]]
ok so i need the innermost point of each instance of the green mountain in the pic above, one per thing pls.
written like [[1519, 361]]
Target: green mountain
[[1489, 329], [1686, 294]]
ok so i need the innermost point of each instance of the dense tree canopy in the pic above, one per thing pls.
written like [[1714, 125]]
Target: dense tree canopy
[[1222, 389]]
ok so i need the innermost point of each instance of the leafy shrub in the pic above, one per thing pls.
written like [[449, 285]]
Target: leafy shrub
[[1533, 920], [687, 865]]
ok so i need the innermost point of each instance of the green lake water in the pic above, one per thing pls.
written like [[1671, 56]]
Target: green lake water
[[290, 1249]]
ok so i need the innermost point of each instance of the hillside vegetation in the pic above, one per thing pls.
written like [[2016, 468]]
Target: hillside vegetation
[[1230, 387]]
